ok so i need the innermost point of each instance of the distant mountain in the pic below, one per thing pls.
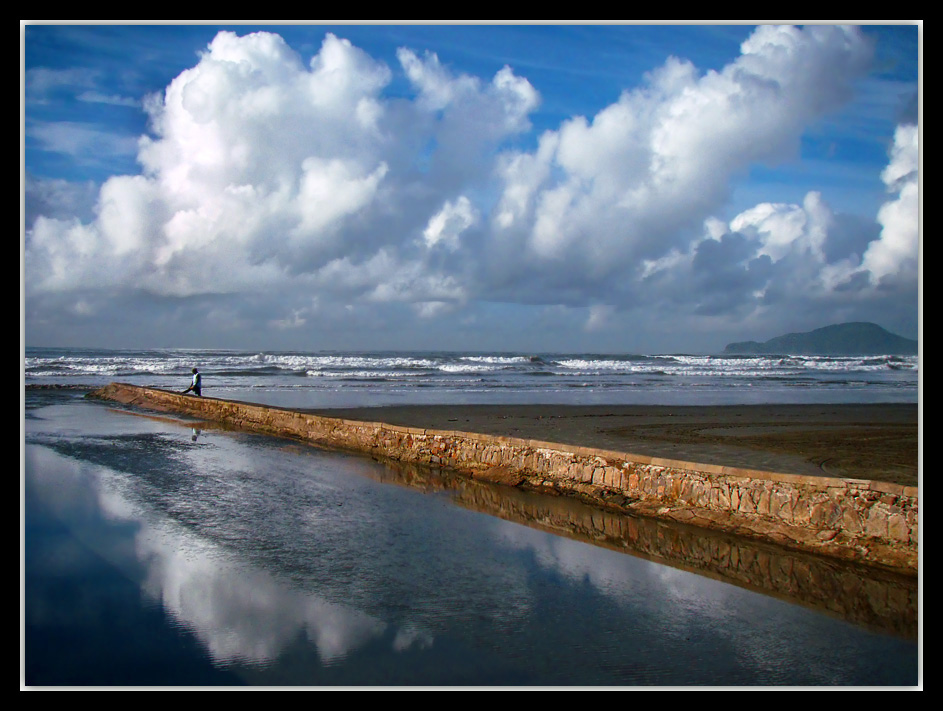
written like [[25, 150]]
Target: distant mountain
[[841, 339]]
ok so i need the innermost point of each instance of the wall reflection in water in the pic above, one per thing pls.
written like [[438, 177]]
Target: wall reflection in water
[[866, 596]]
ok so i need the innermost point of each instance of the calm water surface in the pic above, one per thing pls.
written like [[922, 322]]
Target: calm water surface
[[160, 554]]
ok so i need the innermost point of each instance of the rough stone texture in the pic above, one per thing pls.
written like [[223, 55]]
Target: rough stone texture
[[854, 519]]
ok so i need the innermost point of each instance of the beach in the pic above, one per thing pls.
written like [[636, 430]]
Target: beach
[[862, 441]]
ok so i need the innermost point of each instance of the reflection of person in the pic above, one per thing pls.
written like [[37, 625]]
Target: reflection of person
[[196, 387]]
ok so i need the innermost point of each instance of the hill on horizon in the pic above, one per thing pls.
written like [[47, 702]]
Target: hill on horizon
[[856, 338]]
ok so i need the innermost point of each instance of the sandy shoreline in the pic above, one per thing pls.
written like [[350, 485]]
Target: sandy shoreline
[[877, 441]]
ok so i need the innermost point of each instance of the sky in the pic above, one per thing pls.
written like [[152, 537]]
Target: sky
[[603, 188]]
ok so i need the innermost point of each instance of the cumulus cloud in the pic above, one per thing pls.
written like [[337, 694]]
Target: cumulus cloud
[[805, 254], [58, 198], [631, 183], [780, 229], [895, 253], [304, 183], [259, 168], [447, 225]]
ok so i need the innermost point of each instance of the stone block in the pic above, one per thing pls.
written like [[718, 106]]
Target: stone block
[[876, 522], [897, 528], [826, 514], [747, 504]]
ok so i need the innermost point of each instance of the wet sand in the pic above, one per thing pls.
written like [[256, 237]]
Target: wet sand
[[877, 442]]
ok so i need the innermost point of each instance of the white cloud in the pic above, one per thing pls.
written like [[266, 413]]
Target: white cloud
[[260, 171], [437, 89], [81, 141], [782, 229], [447, 225], [96, 97], [636, 179], [58, 198], [330, 190], [798, 257], [40, 82], [895, 253], [289, 181]]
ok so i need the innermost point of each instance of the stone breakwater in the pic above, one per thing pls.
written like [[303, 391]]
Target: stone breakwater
[[853, 519]]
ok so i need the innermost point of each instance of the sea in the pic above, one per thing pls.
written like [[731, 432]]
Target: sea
[[362, 379], [163, 552]]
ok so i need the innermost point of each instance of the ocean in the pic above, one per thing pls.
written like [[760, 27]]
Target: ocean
[[360, 379]]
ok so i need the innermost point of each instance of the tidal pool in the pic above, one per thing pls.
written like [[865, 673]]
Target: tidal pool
[[158, 552]]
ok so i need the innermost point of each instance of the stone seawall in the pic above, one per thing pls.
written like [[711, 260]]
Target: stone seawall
[[853, 519]]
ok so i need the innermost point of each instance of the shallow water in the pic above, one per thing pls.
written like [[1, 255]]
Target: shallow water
[[158, 554]]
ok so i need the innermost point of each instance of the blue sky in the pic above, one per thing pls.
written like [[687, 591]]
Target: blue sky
[[565, 188]]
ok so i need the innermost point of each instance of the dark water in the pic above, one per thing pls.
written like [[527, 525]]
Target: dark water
[[157, 554]]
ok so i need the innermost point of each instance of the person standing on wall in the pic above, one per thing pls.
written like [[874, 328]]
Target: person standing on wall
[[196, 386]]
